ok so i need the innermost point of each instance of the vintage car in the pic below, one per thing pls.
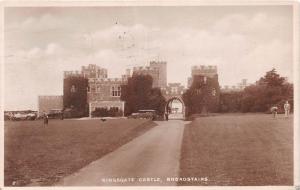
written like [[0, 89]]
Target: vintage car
[[55, 114], [144, 114], [31, 116], [19, 116]]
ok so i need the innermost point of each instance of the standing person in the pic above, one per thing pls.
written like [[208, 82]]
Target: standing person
[[45, 119], [287, 108], [274, 111], [167, 116], [62, 115]]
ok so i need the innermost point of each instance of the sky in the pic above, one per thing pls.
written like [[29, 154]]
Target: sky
[[42, 42]]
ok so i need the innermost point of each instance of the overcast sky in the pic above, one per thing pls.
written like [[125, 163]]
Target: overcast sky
[[40, 43]]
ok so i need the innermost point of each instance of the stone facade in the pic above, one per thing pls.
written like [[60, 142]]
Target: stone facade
[[101, 91], [105, 93], [162, 72], [105, 89], [47, 103]]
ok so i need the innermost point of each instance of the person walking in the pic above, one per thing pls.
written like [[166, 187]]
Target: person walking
[[45, 117], [287, 108], [167, 116]]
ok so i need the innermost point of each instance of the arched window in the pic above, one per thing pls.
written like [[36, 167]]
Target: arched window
[[73, 89]]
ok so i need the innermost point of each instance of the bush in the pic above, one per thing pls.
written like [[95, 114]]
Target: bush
[[104, 112], [230, 102], [74, 113]]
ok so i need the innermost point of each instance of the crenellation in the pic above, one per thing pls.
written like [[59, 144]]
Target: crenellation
[[72, 74]]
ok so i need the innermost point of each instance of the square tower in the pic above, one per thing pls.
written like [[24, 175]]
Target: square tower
[[162, 68]]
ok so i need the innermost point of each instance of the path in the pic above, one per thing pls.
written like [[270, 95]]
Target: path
[[147, 160]]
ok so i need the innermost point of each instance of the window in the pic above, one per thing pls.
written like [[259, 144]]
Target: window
[[204, 80], [92, 88], [98, 89], [214, 92], [73, 89], [116, 91]]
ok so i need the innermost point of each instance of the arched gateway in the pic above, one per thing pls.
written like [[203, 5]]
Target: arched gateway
[[175, 107], [173, 95]]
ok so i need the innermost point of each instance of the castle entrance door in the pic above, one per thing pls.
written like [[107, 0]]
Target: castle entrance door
[[175, 107]]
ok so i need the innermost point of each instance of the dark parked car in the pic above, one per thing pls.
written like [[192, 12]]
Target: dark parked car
[[55, 114], [144, 114]]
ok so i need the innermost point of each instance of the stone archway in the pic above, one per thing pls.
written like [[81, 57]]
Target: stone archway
[[180, 115]]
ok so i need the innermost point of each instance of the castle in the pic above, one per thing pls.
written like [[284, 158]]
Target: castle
[[104, 92]]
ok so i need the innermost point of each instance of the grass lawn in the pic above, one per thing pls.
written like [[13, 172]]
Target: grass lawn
[[250, 149], [44, 155]]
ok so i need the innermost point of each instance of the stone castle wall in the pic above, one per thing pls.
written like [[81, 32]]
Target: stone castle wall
[[47, 103]]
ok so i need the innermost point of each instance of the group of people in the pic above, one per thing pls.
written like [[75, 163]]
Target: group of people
[[286, 107]]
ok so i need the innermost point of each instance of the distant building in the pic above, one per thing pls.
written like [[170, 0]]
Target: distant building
[[47, 103], [235, 88]]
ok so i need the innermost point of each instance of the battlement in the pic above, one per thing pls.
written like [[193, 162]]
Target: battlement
[[108, 80], [143, 68], [92, 67], [212, 68], [72, 74], [205, 70], [158, 62]]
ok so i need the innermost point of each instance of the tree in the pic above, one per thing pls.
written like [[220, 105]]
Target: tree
[[138, 94], [270, 90], [272, 79], [230, 101]]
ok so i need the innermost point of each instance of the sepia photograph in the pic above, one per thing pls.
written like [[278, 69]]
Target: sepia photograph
[[149, 95]]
